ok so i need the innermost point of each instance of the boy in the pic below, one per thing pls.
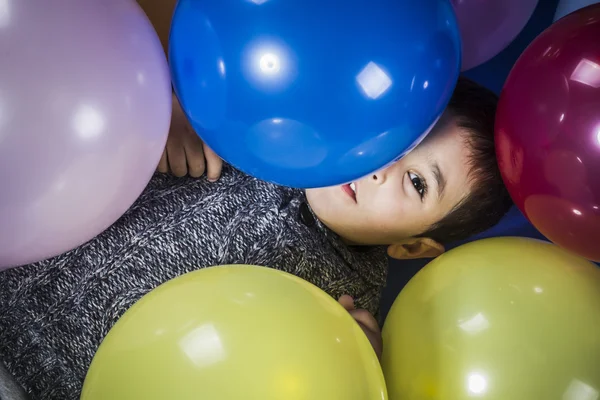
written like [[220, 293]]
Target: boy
[[54, 314]]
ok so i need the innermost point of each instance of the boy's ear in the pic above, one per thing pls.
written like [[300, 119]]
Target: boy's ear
[[412, 248]]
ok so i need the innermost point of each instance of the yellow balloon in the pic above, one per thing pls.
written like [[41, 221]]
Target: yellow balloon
[[497, 319], [235, 332]]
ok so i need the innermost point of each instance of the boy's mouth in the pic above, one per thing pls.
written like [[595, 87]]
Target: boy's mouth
[[350, 190]]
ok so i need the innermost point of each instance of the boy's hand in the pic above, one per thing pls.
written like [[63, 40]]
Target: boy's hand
[[185, 152], [367, 322]]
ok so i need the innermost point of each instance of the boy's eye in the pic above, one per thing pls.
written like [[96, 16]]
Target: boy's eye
[[418, 184]]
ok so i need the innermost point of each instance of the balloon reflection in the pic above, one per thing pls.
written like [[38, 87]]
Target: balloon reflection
[[269, 64], [587, 72], [475, 325], [374, 81], [290, 384], [3, 113], [5, 14], [203, 346], [579, 390], [141, 78], [296, 145], [382, 144], [221, 66], [88, 122], [575, 225], [476, 383]]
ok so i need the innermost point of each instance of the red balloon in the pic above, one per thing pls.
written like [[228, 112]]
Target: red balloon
[[548, 132]]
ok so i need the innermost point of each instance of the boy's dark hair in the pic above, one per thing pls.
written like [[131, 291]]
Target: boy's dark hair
[[474, 108]]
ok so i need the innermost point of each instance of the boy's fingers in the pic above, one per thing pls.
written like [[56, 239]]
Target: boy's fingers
[[194, 156], [163, 164], [374, 339], [365, 318], [366, 321], [177, 160], [371, 329], [214, 164], [347, 302]]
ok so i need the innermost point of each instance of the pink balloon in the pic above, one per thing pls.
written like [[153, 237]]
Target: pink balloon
[[85, 107], [488, 26], [548, 132]]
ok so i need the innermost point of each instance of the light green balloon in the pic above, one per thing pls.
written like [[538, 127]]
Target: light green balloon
[[235, 332], [497, 319]]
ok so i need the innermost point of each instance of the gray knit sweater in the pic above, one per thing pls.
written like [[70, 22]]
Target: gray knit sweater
[[55, 313]]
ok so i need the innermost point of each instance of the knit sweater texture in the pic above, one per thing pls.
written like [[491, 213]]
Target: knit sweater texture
[[55, 313]]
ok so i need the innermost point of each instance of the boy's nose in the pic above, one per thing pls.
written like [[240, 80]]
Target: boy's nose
[[379, 177]]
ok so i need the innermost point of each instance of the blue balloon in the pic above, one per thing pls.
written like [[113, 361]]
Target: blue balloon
[[313, 93]]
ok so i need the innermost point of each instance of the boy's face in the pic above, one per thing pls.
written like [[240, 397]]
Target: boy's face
[[403, 200]]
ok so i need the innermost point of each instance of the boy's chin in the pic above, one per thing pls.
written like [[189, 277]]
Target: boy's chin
[[332, 197]]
